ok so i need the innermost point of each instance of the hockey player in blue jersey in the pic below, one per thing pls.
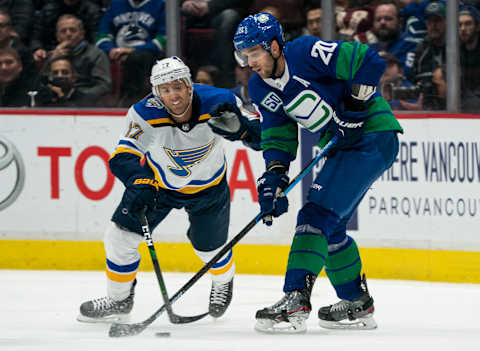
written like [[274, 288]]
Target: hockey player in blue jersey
[[329, 88], [184, 167]]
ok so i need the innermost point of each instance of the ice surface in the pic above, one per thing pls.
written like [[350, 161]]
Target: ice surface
[[38, 311]]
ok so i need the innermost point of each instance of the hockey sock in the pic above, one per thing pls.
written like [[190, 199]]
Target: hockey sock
[[224, 269], [308, 254], [343, 268], [123, 259]]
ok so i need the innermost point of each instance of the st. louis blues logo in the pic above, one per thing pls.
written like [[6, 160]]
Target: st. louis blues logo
[[184, 159]]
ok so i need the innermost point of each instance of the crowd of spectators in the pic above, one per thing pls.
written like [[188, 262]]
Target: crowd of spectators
[[99, 53]]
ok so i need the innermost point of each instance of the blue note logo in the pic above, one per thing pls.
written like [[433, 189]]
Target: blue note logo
[[185, 159]]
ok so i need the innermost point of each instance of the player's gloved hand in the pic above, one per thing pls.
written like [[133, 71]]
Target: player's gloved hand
[[273, 202], [140, 193], [227, 121], [348, 126]]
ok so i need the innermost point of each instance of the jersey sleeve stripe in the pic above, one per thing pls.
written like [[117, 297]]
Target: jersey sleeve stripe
[[160, 122], [120, 150], [203, 117], [350, 59]]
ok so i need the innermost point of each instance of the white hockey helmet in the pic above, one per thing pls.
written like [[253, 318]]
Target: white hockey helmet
[[169, 70]]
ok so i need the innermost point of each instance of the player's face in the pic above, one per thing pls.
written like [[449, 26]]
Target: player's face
[[175, 96], [259, 60]]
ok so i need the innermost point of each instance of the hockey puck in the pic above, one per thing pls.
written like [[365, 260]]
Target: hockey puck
[[163, 334]]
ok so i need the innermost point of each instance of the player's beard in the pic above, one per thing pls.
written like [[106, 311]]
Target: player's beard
[[266, 71]]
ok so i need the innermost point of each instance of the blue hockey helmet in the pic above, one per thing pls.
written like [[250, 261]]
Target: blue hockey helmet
[[258, 29]]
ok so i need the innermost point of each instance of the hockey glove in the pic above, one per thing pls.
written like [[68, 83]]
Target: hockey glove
[[140, 193], [227, 121], [273, 202], [348, 126]]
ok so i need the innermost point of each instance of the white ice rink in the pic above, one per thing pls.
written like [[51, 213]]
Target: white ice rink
[[38, 311]]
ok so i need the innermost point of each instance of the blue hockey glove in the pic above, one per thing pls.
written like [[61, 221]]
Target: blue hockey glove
[[227, 121], [348, 126], [140, 192], [270, 187]]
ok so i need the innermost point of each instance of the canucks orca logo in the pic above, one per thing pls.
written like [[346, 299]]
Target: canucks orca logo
[[184, 159]]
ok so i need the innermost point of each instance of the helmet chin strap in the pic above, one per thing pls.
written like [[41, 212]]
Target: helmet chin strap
[[275, 66], [275, 63]]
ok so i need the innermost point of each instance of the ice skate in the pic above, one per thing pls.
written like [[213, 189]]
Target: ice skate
[[355, 314], [286, 316], [107, 310], [220, 298]]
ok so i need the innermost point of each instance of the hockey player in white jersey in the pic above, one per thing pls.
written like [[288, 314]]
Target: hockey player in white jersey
[[183, 167]]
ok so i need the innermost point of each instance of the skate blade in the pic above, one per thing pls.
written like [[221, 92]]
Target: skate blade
[[114, 318], [271, 327], [364, 323]]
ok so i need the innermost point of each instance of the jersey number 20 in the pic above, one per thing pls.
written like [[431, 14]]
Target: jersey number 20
[[324, 50]]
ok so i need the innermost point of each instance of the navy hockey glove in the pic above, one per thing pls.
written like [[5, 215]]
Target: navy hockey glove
[[140, 192], [348, 126], [227, 121], [270, 187]]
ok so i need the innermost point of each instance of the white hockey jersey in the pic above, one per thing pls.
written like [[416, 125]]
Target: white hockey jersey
[[187, 157]]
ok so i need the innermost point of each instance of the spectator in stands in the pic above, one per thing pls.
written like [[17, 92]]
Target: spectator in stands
[[414, 24], [354, 18], [395, 88], [223, 16], [14, 82], [387, 34], [21, 13], [207, 75], [44, 25], [132, 32], [243, 75], [469, 33], [92, 67], [9, 39], [429, 58], [313, 17], [59, 88]]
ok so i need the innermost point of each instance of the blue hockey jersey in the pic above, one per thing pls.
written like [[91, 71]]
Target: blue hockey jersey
[[318, 77], [127, 24]]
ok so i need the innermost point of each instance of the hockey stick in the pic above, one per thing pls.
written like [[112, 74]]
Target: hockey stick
[[118, 330], [174, 318]]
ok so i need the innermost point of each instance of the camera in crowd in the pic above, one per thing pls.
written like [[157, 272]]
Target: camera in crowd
[[394, 91]]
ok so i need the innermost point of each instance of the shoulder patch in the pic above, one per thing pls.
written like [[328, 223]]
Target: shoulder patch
[[271, 102], [152, 102]]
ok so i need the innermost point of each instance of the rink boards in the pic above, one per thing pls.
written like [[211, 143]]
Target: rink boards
[[419, 221]]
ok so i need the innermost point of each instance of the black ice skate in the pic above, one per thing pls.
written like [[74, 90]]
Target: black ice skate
[[107, 310], [220, 298], [355, 314], [288, 315]]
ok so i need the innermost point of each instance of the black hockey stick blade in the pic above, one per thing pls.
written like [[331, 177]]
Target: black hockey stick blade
[[173, 317], [119, 330]]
